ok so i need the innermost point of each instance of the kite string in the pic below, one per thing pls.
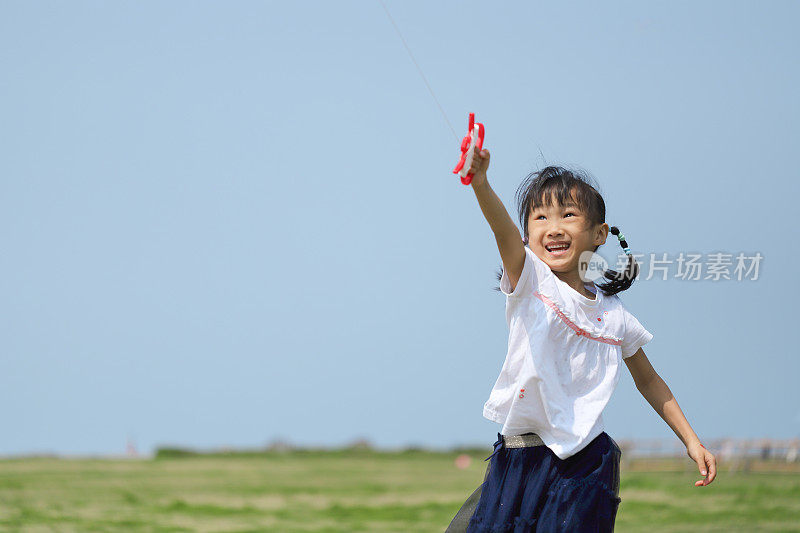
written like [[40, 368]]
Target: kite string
[[420, 70]]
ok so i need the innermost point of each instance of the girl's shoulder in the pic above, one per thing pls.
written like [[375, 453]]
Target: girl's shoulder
[[630, 330]]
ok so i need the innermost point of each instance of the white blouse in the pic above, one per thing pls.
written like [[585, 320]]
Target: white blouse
[[563, 361]]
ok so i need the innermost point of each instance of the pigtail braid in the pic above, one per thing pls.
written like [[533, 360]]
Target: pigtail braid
[[618, 282]]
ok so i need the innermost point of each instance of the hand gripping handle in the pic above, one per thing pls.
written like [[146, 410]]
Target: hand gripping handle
[[471, 140]]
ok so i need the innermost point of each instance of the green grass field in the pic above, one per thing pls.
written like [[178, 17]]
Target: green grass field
[[351, 491]]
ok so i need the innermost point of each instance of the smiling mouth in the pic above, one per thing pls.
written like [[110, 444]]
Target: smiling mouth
[[558, 249]]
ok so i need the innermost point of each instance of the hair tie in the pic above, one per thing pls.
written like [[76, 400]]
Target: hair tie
[[621, 238]]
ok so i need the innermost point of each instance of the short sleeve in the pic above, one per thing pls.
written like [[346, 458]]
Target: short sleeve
[[635, 337], [531, 272]]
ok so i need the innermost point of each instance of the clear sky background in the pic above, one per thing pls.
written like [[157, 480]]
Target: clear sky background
[[225, 223]]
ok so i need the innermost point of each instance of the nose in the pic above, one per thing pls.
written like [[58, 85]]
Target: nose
[[554, 230]]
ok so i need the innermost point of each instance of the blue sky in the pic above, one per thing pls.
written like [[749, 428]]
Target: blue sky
[[227, 223]]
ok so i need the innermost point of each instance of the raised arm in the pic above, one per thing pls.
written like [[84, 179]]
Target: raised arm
[[506, 233]]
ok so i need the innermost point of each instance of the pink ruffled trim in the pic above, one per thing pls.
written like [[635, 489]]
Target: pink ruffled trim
[[550, 303]]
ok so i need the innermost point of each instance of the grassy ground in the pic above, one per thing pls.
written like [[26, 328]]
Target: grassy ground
[[353, 491]]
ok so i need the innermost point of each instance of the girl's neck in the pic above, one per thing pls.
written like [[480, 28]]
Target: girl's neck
[[574, 280]]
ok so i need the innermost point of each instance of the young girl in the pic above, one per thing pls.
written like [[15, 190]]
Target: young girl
[[554, 468]]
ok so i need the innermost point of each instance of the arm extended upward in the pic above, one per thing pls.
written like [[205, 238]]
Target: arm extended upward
[[506, 233]]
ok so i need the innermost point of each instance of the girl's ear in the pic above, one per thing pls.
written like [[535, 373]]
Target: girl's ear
[[602, 234]]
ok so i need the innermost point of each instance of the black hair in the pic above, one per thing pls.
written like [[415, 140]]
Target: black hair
[[539, 188]]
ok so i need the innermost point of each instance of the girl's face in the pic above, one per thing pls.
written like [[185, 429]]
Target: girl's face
[[558, 234]]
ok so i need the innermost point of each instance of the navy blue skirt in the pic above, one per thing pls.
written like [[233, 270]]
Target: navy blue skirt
[[531, 490]]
